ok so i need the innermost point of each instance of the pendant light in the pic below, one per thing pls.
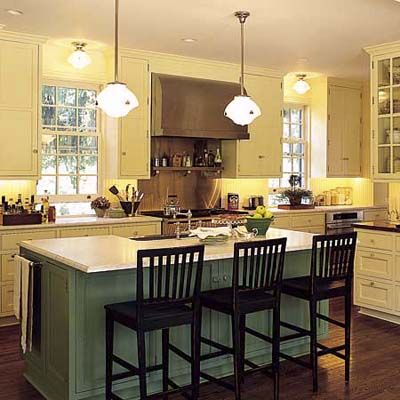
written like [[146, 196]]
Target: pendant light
[[116, 100], [242, 110], [79, 58], [301, 86]]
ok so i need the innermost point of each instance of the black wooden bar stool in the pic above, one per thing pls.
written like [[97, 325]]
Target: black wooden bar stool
[[256, 287], [168, 297], [331, 275]]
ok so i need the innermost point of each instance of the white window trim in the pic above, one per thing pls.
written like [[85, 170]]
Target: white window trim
[[305, 141], [75, 198]]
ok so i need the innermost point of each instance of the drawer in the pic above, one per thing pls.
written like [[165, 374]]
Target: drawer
[[7, 269], [375, 240], [375, 215], [307, 220], [136, 230], [66, 233], [10, 242], [396, 272], [375, 294], [7, 299], [397, 243], [281, 222], [318, 230], [374, 264]]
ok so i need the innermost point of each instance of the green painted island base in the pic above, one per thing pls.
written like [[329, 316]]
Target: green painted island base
[[68, 358]]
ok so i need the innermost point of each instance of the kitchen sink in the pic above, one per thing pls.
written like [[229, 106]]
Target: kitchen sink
[[157, 237]]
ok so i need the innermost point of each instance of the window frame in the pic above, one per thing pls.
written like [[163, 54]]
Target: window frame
[[305, 141], [74, 198]]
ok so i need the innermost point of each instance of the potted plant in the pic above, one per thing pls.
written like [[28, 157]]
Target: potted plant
[[295, 195], [260, 221], [100, 205]]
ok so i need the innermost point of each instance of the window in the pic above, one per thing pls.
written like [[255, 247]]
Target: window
[[294, 149], [70, 142]]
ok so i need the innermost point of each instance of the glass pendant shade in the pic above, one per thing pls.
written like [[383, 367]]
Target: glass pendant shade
[[79, 58], [242, 110], [116, 100], [301, 86]]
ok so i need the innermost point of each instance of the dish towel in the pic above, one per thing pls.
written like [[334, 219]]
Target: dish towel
[[203, 233], [23, 300]]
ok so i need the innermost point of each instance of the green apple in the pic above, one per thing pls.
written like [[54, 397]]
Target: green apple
[[268, 214], [257, 216], [261, 210]]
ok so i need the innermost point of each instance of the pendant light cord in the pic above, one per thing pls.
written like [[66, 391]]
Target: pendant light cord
[[242, 57], [116, 41]]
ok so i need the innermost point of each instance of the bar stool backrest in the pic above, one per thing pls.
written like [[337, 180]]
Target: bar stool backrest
[[333, 257], [262, 265], [174, 275]]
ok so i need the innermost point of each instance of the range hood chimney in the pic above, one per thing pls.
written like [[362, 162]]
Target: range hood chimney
[[191, 107]]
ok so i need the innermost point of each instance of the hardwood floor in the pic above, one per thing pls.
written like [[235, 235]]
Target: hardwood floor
[[375, 372]]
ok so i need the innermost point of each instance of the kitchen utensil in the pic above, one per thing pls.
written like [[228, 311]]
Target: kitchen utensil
[[114, 190], [127, 192]]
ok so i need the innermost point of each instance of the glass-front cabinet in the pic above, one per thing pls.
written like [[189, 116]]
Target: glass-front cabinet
[[385, 121]]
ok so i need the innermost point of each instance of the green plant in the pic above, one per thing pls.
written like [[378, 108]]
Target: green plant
[[295, 195], [101, 203]]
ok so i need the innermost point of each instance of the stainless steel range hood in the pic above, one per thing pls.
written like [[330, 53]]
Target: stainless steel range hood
[[189, 107]]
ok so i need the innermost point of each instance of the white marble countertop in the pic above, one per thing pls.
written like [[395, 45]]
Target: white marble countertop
[[111, 253], [82, 221], [324, 209]]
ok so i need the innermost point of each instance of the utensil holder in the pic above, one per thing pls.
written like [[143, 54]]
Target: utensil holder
[[130, 208]]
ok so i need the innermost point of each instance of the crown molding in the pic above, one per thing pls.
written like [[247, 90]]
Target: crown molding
[[383, 48], [22, 37]]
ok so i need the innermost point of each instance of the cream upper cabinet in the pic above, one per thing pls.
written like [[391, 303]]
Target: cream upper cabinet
[[19, 123], [385, 111], [261, 155], [336, 128], [134, 141]]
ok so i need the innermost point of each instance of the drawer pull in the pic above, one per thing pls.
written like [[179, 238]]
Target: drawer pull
[[372, 284], [372, 241], [372, 255]]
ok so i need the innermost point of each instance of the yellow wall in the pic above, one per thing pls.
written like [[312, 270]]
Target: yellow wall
[[245, 188], [11, 189]]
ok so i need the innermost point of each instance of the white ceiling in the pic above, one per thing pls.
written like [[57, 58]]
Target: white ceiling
[[325, 36]]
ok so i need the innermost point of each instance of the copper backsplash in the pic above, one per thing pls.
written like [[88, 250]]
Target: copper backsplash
[[194, 190]]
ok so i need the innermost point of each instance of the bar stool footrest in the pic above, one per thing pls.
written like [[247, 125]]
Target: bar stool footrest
[[258, 335], [330, 320], [178, 389], [180, 353], [115, 397], [219, 382], [296, 360], [219, 346], [331, 350]]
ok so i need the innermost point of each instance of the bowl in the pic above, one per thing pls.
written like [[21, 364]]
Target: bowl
[[260, 224]]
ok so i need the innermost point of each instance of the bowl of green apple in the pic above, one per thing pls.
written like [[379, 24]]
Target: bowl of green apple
[[260, 221]]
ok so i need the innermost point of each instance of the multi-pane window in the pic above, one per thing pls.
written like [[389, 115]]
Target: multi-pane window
[[70, 141], [294, 147]]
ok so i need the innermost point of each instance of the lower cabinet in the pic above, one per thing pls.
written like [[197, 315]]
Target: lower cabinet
[[307, 222], [136, 230]]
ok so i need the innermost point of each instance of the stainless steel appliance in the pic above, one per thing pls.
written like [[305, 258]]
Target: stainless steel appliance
[[191, 107], [342, 221]]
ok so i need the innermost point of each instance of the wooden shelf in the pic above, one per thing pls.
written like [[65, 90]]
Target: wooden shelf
[[205, 169]]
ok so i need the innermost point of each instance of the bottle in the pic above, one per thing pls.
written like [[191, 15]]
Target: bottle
[[218, 159], [45, 206], [164, 160], [205, 157], [51, 214], [211, 159]]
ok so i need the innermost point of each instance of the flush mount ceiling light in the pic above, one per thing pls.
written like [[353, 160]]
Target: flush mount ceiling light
[[189, 40], [116, 100], [301, 86], [79, 58], [242, 110], [14, 12]]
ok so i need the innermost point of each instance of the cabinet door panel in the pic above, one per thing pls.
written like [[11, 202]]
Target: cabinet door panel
[[18, 136], [7, 299], [352, 132], [261, 156], [18, 75], [134, 146], [336, 112]]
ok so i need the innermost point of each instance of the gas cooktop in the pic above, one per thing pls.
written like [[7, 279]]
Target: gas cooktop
[[197, 213]]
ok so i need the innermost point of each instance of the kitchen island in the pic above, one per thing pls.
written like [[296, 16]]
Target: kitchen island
[[78, 276]]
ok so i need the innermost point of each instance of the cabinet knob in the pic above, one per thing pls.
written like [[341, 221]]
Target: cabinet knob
[[345, 159], [225, 278], [124, 153], [215, 279], [372, 255], [35, 151], [261, 157], [372, 284]]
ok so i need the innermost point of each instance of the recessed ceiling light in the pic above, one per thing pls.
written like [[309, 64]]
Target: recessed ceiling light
[[14, 12], [2, 26], [192, 40]]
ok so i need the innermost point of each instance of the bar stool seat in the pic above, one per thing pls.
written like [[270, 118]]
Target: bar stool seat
[[248, 301], [301, 287], [155, 316]]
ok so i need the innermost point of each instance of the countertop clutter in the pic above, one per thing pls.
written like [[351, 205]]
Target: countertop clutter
[[110, 253]]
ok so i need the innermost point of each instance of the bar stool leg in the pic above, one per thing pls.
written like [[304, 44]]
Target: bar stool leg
[[276, 349], [236, 353], [165, 361], [142, 363], [313, 343], [242, 328], [196, 348], [347, 335], [109, 354]]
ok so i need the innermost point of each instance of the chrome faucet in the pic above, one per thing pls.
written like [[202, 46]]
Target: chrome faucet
[[187, 214]]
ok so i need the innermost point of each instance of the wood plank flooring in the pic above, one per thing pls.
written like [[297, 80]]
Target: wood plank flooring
[[375, 372]]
